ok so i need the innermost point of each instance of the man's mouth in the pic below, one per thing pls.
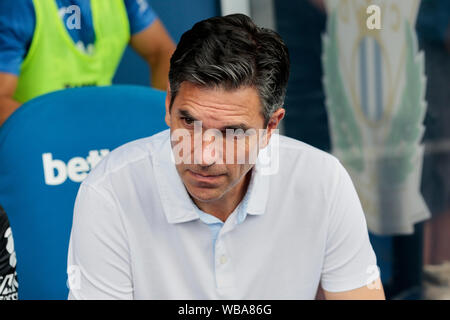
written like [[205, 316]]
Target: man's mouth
[[204, 177]]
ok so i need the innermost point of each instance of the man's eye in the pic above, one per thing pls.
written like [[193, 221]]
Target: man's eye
[[187, 121], [235, 136]]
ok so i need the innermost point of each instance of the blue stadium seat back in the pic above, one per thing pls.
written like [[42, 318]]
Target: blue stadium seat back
[[47, 147]]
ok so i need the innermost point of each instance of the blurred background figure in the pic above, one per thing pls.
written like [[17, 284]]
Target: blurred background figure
[[56, 44], [8, 275]]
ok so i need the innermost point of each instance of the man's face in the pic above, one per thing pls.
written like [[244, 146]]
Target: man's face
[[210, 168]]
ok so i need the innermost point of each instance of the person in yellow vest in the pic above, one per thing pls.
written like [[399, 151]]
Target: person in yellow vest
[[51, 45]]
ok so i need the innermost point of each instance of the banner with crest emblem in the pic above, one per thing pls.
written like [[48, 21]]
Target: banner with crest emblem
[[375, 98]]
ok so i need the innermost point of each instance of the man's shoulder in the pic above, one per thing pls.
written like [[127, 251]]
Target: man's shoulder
[[300, 152], [307, 166], [127, 156]]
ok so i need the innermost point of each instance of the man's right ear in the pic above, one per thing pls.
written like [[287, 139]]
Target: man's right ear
[[168, 98]]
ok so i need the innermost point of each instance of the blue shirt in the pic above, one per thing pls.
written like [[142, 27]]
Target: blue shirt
[[17, 23]]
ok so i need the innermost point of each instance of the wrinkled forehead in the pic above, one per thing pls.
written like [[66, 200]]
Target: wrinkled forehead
[[217, 107]]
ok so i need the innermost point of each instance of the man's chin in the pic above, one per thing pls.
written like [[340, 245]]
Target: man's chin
[[204, 194]]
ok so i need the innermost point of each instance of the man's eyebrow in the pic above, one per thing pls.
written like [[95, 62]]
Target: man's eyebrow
[[242, 126], [186, 114]]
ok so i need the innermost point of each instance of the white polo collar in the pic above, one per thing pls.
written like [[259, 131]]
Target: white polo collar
[[175, 199]]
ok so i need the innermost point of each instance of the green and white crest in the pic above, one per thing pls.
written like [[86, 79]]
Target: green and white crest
[[375, 88]]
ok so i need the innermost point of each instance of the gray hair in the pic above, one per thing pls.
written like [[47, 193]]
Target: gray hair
[[232, 52]]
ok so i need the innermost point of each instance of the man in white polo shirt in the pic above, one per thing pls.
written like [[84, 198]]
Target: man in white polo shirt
[[220, 206]]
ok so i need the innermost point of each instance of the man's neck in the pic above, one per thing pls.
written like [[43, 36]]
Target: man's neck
[[223, 207]]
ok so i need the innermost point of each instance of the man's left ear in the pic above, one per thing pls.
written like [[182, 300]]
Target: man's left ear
[[273, 123], [167, 103]]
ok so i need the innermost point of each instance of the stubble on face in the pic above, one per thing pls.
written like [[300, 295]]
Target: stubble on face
[[215, 188]]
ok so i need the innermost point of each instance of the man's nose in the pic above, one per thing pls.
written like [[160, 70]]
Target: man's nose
[[208, 151]]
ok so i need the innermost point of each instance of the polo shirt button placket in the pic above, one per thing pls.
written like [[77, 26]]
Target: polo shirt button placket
[[224, 272]]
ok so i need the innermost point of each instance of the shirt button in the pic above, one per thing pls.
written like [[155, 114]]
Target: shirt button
[[223, 259]]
